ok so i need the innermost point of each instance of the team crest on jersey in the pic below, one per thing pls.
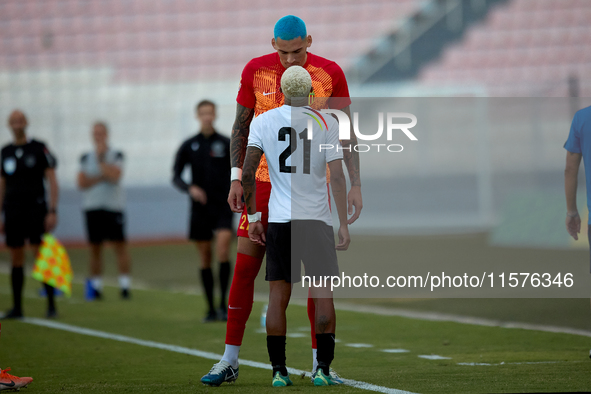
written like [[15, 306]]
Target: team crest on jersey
[[217, 149], [195, 146], [18, 153], [30, 161], [9, 165]]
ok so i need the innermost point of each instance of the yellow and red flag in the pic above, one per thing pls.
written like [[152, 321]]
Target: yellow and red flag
[[52, 265]]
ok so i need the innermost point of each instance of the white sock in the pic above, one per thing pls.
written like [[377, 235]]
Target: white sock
[[314, 360], [231, 355], [124, 281], [97, 283]]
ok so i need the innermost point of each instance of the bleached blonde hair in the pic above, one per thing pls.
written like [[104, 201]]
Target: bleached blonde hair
[[296, 82]]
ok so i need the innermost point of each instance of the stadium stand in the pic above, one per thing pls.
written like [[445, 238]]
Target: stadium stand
[[181, 40], [523, 48], [141, 66]]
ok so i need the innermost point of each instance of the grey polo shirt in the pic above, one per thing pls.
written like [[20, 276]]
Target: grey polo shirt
[[103, 195]]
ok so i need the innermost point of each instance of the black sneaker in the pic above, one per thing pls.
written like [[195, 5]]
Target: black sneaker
[[51, 314], [222, 314], [210, 317], [125, 294], [13, 314], [97, 295]]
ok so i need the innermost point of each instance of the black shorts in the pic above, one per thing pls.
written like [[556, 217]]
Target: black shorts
[[307, 241], [21, 224], [205, 219], [103, 225]]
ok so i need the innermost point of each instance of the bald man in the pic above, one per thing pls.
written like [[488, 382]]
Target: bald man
[[26, 165], [104, 203]]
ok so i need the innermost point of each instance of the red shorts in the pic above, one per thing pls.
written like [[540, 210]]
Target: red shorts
[[262, 197]]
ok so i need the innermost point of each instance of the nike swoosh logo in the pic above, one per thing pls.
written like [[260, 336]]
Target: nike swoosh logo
[[233, 307], [266, 94], [11, 384]]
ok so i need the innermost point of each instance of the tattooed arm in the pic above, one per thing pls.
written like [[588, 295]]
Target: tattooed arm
[[351, 158], [256, 231], [237, 151]]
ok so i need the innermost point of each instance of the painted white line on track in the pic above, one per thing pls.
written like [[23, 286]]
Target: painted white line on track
[[192, 352]]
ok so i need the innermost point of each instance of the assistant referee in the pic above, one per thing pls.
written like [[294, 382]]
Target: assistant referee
[[208, 155], [26, 165]]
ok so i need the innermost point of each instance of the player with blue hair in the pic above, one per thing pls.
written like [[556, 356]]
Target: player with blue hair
[[290, 27], [259, 92]]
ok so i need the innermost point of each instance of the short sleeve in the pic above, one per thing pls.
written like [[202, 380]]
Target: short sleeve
[[340, 89], [332, 138], [119, 159], [246, 96], [573, 143], [48, 159], [84, 162], [254, 137], [2, 172]]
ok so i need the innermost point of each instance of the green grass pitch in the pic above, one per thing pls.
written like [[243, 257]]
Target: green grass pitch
[[59, 361]]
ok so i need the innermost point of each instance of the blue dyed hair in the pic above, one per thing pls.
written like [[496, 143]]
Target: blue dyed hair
[[290, 27]]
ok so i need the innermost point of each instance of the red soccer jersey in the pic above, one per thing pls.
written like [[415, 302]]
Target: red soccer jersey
[[261, 81]]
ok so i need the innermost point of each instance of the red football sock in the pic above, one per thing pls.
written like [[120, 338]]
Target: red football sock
[[241, 296], [312, 318]]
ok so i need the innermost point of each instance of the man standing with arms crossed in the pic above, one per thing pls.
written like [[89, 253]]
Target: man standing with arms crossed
[[259, 92], [103, 202]]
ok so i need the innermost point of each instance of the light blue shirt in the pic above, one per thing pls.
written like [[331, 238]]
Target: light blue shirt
[[579, 141]]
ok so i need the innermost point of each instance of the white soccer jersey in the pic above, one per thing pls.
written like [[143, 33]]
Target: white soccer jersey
[[297, 160]]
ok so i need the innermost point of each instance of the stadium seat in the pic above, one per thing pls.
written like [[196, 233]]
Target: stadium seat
[[521, 43], [116, 33]]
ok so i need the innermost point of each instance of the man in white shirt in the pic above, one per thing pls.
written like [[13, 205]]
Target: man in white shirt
[[103, 203], [300, 223]]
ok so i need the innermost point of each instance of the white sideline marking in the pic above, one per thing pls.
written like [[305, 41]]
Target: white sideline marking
[[358, 345], [395, 351], [504, 363], [193, 352], [434, 357], [296, 335], [477, 321]]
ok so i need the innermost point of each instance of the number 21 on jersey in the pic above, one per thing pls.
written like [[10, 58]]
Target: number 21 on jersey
[[293, 146]]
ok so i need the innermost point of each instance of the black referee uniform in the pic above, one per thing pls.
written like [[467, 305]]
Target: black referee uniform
[[25, 206], [209, 158]]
